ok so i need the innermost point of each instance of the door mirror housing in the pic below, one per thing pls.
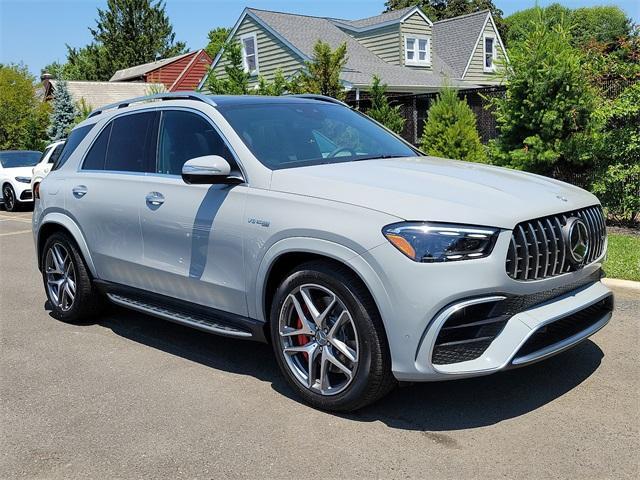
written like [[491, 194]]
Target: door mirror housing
[[208, 170]]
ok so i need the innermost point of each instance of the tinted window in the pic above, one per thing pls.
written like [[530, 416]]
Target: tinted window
[[98, 151], [184, 136], [75, 138], [285, 135], [44, 154], [17, 158], [56, 153], [130, 144]]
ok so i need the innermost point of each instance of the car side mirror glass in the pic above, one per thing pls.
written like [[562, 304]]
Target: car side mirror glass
[[210, 169]]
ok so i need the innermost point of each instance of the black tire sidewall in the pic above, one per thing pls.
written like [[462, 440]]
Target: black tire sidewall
[[15, 199], [346, 400], [83, 282]]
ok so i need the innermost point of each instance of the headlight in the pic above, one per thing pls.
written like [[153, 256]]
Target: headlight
[[23, 179], [441, 242]]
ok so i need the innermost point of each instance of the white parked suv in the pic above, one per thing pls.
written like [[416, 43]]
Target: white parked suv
[[15, 177], [301, 222], [42, 169]]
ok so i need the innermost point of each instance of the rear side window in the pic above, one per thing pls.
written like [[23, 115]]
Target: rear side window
[[98, 151], [56, 153], [75, 138], [130, 144], [184, 136]]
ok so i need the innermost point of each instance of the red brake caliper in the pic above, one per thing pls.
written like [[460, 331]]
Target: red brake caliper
[[302, 339]]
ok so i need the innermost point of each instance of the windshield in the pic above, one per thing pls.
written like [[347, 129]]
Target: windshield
[[15, 159], [286, 135]]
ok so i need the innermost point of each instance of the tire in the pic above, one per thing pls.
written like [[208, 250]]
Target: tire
[[79, 304], [9, 198], [358, 334]]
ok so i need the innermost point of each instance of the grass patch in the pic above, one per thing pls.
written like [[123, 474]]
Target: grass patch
[[623, 259]]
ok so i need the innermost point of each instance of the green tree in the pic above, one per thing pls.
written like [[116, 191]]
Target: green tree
[[23, 117], [442, 9], [217, 38], [279, 85], [322, 74], [450, 130], [380, 109], [235, 80], [64, 112], [547, 108], [616, 150]]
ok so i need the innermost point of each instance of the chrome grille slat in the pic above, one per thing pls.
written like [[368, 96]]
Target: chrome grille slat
[[538, 250]]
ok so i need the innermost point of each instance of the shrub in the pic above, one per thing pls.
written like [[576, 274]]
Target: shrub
[[618, 188], [380, 109], [548, 105], [450, 130], [322, 75]]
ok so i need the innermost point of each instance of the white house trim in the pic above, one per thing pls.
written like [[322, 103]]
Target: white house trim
[[419, 12], [254, 37], [416, 62], [481, 37]]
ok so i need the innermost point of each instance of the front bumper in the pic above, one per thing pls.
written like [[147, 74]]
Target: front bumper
[[420, 298]]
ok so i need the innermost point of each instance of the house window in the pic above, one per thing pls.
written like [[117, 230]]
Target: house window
[[417, 50], [489, 54], [250, 53]]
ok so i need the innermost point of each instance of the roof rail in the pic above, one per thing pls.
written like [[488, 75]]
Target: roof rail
[[158, 96], [321, 98]]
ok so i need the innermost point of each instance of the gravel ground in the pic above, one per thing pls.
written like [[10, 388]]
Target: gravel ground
[[131, 396]]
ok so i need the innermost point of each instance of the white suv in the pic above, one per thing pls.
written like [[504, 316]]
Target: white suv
[[299, 221], [15, 177], [42, 169]]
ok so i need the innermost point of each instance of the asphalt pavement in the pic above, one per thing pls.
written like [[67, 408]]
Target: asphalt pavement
[[131, 396]]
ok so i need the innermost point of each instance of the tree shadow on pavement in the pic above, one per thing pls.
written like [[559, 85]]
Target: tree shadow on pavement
[[435, 406]]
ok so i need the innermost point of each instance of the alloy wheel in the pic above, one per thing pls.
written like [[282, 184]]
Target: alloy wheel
[[9, 198], [61, 277], [319, 340]]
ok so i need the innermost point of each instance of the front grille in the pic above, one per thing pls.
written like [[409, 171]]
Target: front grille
[[469, 331], [538, 248], [566, 327], [26, 195]]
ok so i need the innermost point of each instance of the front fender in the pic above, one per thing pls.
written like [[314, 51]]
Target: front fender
[[326, 248], [73, 229]]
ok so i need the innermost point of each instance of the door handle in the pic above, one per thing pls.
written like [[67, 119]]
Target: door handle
[[79, 191], [154, 199]]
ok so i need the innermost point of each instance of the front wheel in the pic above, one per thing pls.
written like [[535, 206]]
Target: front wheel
[[328, 338], [9, 197]]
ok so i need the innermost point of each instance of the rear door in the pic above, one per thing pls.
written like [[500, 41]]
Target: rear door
[[108, 191], [193, 233]]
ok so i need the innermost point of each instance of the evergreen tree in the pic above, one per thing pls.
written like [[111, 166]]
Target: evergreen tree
[[380, 109], [450, 130], [547, 109], [279, 86], [322, 75], [217, 38], [235, 80], [64, 112]]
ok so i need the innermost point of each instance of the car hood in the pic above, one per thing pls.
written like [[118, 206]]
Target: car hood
[[435, 189], [16, 172]]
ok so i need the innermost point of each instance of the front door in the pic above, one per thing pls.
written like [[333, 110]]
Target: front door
[[191, 233]]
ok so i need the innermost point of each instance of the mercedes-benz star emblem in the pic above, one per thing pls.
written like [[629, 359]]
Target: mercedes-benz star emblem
[[577, 239]]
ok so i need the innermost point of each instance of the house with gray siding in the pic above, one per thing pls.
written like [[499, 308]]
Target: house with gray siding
[[409, 52]]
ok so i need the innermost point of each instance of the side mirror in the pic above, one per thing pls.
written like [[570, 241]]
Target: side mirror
[[210, 169]]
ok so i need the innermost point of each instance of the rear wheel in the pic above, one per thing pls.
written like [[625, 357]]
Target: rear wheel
[[70, 292], [9, 197], [328, 338]]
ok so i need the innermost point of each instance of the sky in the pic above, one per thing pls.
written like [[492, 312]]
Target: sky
[[34, 32]]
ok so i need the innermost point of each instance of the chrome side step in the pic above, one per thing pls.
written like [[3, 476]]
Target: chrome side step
[[193, 320]]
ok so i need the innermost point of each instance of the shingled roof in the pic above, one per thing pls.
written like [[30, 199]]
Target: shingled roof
[[141, 70], [455, 39], [302, 32], [97, 94]]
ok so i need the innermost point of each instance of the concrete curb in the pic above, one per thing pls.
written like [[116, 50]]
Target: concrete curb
[[614, 282]]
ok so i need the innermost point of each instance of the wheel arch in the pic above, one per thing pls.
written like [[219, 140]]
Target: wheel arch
[[285, 255], [58, 222]]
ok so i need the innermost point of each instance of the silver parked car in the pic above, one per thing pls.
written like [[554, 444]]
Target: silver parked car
[[301, 222]]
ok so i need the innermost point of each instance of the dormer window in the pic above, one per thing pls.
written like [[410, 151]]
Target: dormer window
[[250, 53], [417, 50], [489, 54]]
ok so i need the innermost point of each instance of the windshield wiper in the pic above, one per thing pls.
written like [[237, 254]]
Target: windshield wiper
[[379, 157]]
